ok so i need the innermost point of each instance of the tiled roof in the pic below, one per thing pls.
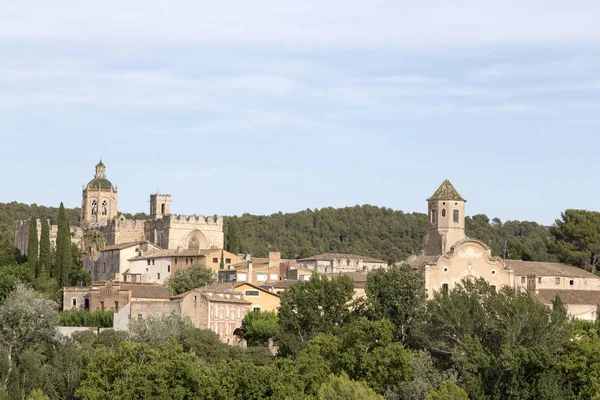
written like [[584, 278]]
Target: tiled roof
[[282, 284], [146, 291], [420, 261], [228, 287], [524, 268], [446, 192], [122, 246], [174, 253], [568, 296], [337, 256], [213, 297]]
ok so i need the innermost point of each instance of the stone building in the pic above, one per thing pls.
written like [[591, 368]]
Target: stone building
[[112, 261], [110, 295], [449, 256], [22, 235], [159, 264], [334, 263]]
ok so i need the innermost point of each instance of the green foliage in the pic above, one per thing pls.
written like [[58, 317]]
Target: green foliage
[[26, 319], [45, 262], [259, 327], [499, 342], [98, 319], [157, 330], [311, 307], [342, 388], [448, 391], [37, 394], [196, 276], [581, 363], [426, 378], [142, 371], [63, 263], [11, 275], [576, 238], [32, 247], [205, 344], [365, 352], [399, 295]]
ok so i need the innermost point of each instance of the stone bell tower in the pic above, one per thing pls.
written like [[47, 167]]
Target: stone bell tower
[[99, 199], [446, 220]]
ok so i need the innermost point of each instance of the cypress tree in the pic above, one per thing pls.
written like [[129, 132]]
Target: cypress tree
[[63, 248], [44, 261], [32, 247]]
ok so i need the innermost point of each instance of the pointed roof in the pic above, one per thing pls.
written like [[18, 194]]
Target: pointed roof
[[446, 192]]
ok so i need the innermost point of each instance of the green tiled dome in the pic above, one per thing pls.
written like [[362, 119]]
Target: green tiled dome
[[100, 183]]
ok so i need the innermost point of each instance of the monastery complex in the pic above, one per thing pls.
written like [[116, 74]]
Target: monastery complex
[[129, 261]]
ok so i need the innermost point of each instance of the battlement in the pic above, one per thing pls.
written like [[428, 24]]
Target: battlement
[[194, 219]]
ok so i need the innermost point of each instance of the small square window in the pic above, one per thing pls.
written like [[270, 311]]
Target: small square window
[[74, 302], [158, 275], [572, 282], [215, 260], [148, 262], [228, 261], [523, 279], [557, 281]]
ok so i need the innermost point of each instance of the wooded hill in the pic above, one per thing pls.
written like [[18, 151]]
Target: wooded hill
[[378, 232]]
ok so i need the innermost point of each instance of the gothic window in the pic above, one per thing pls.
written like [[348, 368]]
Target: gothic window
[[433, 216], [456, 216], [194, 244], [104, 212], [443, 212], [94, 208]]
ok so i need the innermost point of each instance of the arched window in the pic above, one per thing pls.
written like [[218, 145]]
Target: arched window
[[94, 208], [162, 209], [456, 216], [445, 288], [433, 216], [194, 244], [443, 212], [104, 210]]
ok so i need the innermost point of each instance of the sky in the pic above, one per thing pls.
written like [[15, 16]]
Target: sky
[[262, 106]]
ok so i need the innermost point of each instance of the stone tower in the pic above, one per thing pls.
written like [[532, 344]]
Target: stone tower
[[160, 205], [446, 220], [99, 200]]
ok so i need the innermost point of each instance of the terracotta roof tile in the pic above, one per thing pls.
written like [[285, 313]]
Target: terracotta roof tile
[[338, 256], [547, 296], [524, 268]]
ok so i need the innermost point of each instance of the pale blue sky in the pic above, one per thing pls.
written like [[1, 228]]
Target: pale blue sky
[[265, 106]]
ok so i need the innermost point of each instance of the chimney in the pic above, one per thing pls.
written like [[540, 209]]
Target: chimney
[[250, 278], [274, 258]]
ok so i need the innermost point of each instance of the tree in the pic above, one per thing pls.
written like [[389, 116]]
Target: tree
[[63, 249], [26, 319], [157, 330], [500, 342], [342, 388], [310, 307], [576, 238], [259, 327], [581, 363], [399, 295], [32, 247], [196, 276], [143, 371], [45, 260], [448, 391]]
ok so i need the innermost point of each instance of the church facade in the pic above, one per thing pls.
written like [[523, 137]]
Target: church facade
[[449, 256]]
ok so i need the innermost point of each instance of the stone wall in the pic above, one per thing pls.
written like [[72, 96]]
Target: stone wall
[[121, 230], [22, 235], [176, 231]]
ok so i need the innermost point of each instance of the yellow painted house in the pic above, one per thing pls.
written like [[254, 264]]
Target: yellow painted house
[[259, 298]]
